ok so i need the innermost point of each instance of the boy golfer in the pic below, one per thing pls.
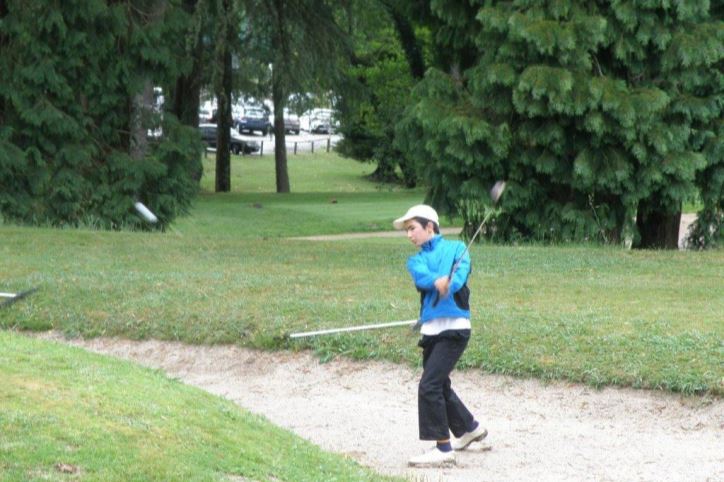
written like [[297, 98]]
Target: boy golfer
[[445, 329]]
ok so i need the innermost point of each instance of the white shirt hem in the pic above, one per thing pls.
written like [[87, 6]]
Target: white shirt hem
[[438, 325]]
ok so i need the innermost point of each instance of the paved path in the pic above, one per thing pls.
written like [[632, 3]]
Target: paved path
[[686, 221]]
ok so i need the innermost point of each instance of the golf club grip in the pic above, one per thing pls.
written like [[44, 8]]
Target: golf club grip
[[437, 293]]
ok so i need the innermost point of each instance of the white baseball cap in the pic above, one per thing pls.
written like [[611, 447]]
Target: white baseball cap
[[418, 211]]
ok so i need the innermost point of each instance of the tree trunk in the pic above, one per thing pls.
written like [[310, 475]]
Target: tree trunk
[[409, 175], [187, 91], [279, 95], [186, 95], [186, 98], [223, 130], [280, 148], [186, 103], [658, 229], [3, 42], [408, 40]]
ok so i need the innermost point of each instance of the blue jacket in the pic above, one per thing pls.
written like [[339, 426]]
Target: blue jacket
[[435, 259]]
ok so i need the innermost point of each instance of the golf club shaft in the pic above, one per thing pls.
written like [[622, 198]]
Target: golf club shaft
[[467, 248], [495, 192], [352, 328], [457, 262], [17, 296]]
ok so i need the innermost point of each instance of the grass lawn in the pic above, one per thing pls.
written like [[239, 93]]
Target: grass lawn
[[66, 414], [229, 273], [318, 172], [329, 195]]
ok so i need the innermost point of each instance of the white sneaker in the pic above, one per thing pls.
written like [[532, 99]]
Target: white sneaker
[[469, 437], [433, 458]]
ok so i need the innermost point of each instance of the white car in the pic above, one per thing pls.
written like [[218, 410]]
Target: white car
[[291, 123], [204, 116], [321, 121]]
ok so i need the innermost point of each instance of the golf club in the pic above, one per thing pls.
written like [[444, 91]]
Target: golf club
[[352, 328], [13, 297], [495, 192], [145, 212], [149, 216]]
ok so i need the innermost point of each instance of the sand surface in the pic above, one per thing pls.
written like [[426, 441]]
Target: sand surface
[[367, 411]]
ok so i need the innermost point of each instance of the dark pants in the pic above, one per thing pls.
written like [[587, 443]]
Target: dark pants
[[439, 408]]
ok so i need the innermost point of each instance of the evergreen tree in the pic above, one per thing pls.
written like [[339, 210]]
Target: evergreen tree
[[386, 62], [185, 91], [601, 115], [70, 75]]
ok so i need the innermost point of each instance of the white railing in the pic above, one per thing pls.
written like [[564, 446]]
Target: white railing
[[293, 147]]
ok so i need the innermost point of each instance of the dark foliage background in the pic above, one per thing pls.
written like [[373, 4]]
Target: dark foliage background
[[76, 104]]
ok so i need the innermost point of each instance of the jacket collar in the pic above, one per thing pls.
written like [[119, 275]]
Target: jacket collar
[[430, 244]]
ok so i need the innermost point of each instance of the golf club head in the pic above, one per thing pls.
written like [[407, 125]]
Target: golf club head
[[496, 191], [145, 212]]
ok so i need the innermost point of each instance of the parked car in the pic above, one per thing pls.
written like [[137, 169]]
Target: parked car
[[204, 115], [291, 123], [321, 121], [254, 119], [238, 145]]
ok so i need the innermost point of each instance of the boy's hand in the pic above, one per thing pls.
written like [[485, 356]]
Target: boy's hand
[[442, 285]]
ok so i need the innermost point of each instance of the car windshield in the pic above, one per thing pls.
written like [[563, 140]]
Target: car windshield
[[254, 113]]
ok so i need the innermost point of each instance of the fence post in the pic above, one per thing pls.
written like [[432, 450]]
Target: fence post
[[312, 147], [329, 139], [261, 149], [295, 148]]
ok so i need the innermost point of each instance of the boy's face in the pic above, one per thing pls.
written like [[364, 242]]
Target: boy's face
[[417, 234]]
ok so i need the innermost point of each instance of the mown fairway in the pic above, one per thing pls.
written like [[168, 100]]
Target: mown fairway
[[230, 274]]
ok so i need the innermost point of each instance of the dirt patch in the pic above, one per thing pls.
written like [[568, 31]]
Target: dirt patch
[[367, 411]]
